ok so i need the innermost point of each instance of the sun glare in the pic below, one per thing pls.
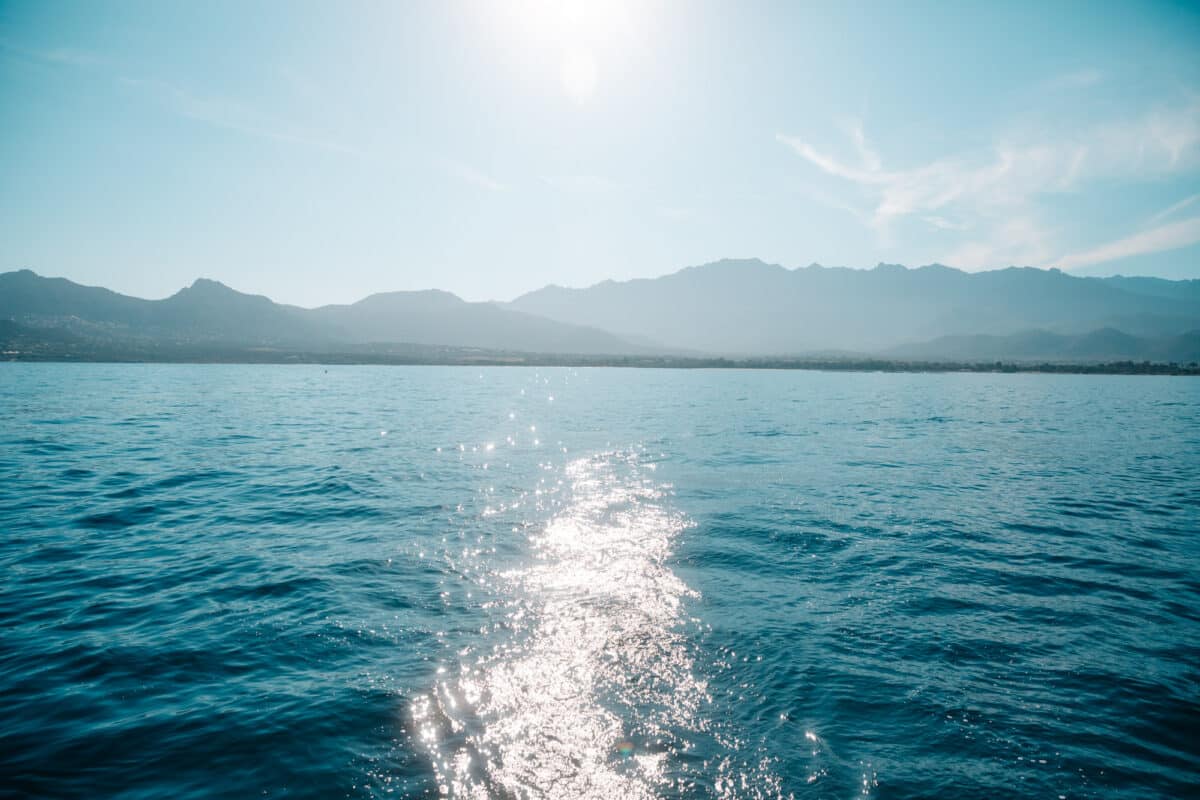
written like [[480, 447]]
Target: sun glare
[[578, 74], [580, 35]]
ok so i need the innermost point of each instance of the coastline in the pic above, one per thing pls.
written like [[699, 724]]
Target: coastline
[[454, 357]]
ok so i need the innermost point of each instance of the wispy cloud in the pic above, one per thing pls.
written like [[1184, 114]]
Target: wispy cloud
[[1077, 79], [581, 183], [835, 203], [217, 111], [866, 154], [1020, 240], [943, 224], [468, 174], [231, 115], [864, 175], [69, 56], [1174, 208], [1171, 236], [73, 57], [993, 192], [1010, 172], [676, 213]]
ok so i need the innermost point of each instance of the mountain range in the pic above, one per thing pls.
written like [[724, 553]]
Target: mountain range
[[210, 313], [749, 307], [729, 308]]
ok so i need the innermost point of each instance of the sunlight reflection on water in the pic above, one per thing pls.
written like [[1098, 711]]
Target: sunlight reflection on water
[[596, 691]]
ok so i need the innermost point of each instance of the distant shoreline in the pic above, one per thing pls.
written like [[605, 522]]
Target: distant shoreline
[[263, 357]]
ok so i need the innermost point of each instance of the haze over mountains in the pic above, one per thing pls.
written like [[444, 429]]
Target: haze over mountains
[[749, 307], [210, 313], [737, 308]]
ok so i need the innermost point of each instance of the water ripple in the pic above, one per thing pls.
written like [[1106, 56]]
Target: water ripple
[[224, 582]]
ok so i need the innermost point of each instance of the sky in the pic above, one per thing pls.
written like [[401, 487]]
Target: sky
[[317, 152]]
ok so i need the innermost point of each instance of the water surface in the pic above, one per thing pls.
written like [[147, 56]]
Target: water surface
[[236, 581]]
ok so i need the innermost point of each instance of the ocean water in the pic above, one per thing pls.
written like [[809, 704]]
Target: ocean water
[[369, 582]]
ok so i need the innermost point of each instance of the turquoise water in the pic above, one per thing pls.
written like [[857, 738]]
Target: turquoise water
[[248, 581]]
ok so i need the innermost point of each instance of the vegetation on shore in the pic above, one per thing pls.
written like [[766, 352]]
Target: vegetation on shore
[[68, 350]]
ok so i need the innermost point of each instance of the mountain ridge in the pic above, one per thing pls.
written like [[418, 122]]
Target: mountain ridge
[[209, 312], [747, 306], [732, 308]]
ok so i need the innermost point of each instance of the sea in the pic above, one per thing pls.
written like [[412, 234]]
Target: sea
[[304, 581]]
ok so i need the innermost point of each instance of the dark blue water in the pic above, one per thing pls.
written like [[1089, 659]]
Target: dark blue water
[[236, 581]]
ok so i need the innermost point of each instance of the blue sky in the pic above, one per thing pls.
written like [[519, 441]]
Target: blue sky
[[318, 152]]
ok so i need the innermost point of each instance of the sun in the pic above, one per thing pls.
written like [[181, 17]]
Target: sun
[[578, 74], [586, 40]]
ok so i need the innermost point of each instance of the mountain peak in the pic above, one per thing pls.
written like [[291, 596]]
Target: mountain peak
[[208, 284], [733, 265], [207, 291], [23, 277], [403, 300]]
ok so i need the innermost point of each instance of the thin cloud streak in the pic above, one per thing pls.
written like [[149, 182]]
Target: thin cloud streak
[[224, 113], [1171, 236], [69, 56], [943, 224], [866, 154], [1172, 209], [676, 213], [219, 112], [1079, 79], [835, 203], [581, 183], [468, 174]]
